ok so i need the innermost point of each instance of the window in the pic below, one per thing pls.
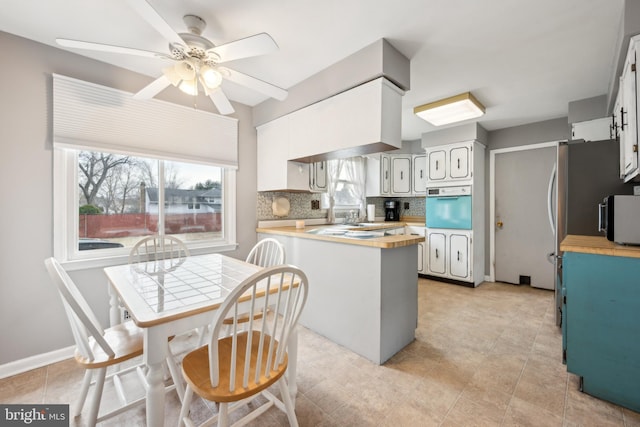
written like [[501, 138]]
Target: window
[[111, 200], [346, 184]]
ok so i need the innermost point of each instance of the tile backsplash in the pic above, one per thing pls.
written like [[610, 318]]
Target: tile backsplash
[[300, 206]]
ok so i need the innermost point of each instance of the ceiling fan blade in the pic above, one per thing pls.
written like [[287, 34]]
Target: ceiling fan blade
[[221, 102], [259, 44], [109, 48], [255, 84], [153, 88], [145, 10]]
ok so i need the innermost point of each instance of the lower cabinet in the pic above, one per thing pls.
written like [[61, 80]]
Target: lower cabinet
[[600, 326], [449, 254], [422, 247]]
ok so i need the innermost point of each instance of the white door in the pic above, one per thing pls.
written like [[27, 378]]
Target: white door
[[437, 252], [401, 172], [459, 255], [437, 171], [523, 233], [459, 162], [420, 175]]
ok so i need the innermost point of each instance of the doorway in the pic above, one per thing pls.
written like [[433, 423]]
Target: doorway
[[522, 187]]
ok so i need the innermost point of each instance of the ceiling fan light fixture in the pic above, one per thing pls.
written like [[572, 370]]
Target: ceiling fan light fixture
[[211, 78], [172, 75], [190, 87], [450, 110], [185, 70]]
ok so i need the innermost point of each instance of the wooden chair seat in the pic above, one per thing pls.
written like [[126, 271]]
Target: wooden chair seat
[[125, 339], [195, 368]]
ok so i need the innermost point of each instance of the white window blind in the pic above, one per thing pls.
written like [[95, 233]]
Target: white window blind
[[89, 116]]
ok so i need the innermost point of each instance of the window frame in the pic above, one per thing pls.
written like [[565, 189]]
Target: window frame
[[66, 220]]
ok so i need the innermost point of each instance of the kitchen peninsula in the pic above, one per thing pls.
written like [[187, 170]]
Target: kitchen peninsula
[[363, 291]]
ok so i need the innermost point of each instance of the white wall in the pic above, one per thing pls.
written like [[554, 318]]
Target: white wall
[[32, 319]]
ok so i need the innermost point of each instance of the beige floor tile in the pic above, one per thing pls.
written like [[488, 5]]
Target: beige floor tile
[[485, 356], [522, 414]]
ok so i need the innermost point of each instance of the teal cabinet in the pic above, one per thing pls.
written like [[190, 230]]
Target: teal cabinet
[[601, 325]]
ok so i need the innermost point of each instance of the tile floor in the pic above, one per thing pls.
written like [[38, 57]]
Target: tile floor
[[488, 356]]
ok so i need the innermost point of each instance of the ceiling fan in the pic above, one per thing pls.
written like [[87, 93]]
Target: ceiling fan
[[195, 60]]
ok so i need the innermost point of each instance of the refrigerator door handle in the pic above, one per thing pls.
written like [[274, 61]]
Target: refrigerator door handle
[[552, 179]]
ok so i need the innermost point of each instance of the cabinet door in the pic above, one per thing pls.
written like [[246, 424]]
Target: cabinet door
[[319, 176], [385, 175], [459, 256], [459, 162], [273, 151], [401, 175], [437, 253], [419, 175], [437, 160], [421, 258], [628, 116]]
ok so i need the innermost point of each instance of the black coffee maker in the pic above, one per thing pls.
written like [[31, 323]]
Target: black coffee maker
[[391, 210]]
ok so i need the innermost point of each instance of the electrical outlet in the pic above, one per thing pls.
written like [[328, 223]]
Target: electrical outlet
[[406, 205], [315, 204]]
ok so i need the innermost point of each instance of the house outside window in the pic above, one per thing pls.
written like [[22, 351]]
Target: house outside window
[[116, 199]]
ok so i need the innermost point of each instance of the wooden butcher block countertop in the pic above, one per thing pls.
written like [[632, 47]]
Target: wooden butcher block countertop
[[598, 245], [384, 242]]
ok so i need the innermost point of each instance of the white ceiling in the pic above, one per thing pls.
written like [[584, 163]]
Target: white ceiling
[[524, 60]]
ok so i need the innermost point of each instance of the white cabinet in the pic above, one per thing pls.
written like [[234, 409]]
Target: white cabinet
[[450, 254], [274, 171], [357, 120], [422, 247], [419, 167], [449, 163], [378, 179], [401, 175], [437, 260], [626, 114], [318, 176], [396, 175]]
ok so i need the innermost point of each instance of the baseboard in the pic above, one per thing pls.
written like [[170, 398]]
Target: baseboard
[[39, 360]]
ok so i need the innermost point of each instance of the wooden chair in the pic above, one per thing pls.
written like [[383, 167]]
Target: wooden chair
[[234, 369], [159, 248], [98, 349], [267, 253]]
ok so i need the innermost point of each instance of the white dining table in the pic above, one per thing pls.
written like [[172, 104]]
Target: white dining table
[[169, 297]]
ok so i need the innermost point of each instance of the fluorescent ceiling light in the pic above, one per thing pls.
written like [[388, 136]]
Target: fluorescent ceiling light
[[450, 110]]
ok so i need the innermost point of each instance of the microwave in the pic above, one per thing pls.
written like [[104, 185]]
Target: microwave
[[619, 219]]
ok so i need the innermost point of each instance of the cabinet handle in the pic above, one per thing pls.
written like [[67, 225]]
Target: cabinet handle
[[622, 123], [421, 174], [436, 164], [401, 175], [386, 174], [458, 163], [458, 255], [436, 253]]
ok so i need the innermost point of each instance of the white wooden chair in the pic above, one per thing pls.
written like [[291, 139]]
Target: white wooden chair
[[234, 369], [159, 248], [267, 253], [98, 349]]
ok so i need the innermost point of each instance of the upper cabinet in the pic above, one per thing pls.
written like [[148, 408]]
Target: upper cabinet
[[419, 184], [362, 120], [449, 163], [275, 172], [396, 175], [625, 114]]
